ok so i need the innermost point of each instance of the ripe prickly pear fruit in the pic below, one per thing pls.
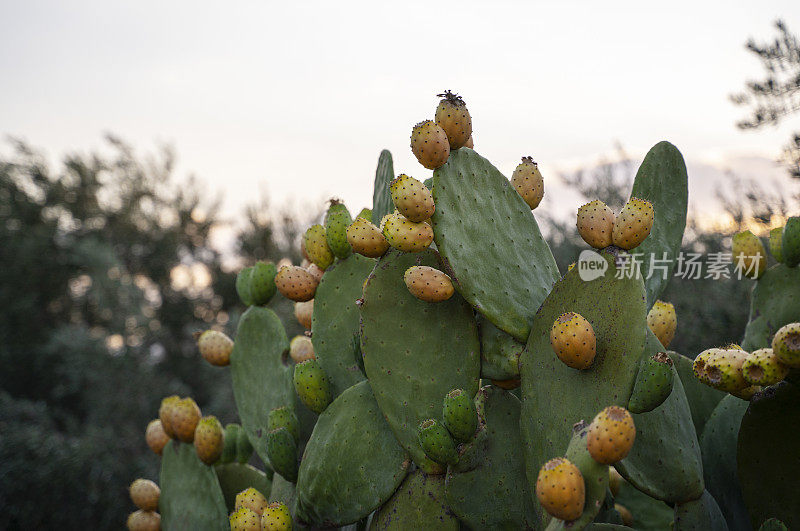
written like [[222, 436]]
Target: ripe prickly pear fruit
[[775, 241], [366, 213], [615, 481], [230, 439], [700, 365], [301, 349], [209, 440], [165, 414], [303, 312], [452, 116], [144, 494], [244, 519], [276, 517], [315, 271], [528, 182], [470, 143], [337, 220], [611, 435], [790, 242], [429, 144], [459, 415], [596, 224], [283, 417], [366, 239], [156, 437], [185, 416], [747, 393], [243, 286], [724, 370], [625, 514], [297, 284], [560, 489], [319, 252], [244, 448], [282, 451], [412, 198], [786, 345], [428, 284], [312, 386], [215, 347], [262, 282], [437, 443], [508, 385], [252, 499], [573, 340], [653, 384], [406, 235], [762, 367], [633, 223], [144, 521], [662, 321], [749, 255]]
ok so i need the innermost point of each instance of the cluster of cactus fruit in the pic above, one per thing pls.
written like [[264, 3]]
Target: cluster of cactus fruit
[[448, 371]]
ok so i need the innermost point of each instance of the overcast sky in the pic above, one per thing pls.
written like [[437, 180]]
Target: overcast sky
[[298, 98]]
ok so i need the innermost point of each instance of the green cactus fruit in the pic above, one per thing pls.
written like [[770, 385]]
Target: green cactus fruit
[[528, 182], [633, 223], [790, 242], [282, 451], [406, 235], [437, 443], [295, 283], [252, 499], [144, 494], [244, 448], [144, 521], [723, 370], [596, 224], [244, 519], [243, 286], [209, 439], [749, 255], [301, 349], [156, 437], [560, 489], [317, 248], [429, 144], [231, 440], [428, 284], [185, 416], [215, 347], [366, 239], [611, 435], [573, 341], [762, 367], [337, 220], [303, 312], [262, 283], [365, 213], [276, 517], [775, 241], [653, 383], [454, 118], [786, 345], [165, 414], [459, 415], [312, 386], [284, 417], [662, 321], [411, 198]]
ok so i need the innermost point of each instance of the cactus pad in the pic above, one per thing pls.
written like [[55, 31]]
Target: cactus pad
[[381, 196], [700, 514], [775, 302], [702, 398], [490, 241], [500, 352], [234, 478], [417, 504]]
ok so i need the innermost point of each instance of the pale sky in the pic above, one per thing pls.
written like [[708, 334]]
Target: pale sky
[[298, 98]]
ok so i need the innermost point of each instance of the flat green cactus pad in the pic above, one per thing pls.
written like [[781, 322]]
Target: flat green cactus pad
[[335, 323], [191, 497], [415, 352], [649, 514], [495, 494], [665, 460], [352, 463], [775, 302], [262, 377], [663, 181], [768, 455], [499, 352], [235, 477], [718, 445], [702, 398], [381, 197], [702, 514], [491, 242], [554, 396], [417, 504]]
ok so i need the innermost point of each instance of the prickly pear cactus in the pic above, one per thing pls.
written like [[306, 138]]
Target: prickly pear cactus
[[702, 398], [775, 302], [236, 477], [700, 514], [419, 503], [381, 196]]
